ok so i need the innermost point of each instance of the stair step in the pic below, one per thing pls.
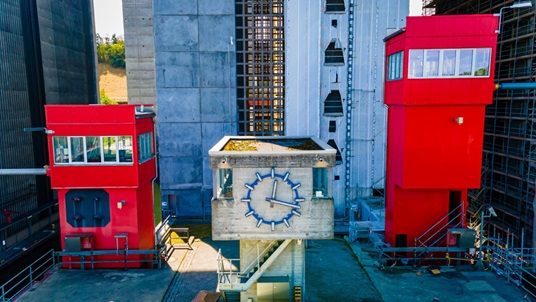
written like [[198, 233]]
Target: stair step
[[232, 296]]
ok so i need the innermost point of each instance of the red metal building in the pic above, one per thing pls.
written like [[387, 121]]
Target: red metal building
[[439, 78], [102, 166]]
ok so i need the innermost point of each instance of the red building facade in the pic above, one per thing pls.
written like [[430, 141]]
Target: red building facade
[[102, 165], [439, 78]]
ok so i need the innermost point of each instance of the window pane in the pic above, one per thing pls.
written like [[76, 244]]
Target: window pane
[[225, 183], [482, 62], [145, 147], [61, 153], [109, 146], [125, 149], [466, 62], [77, 149], [93, 149], [431, 65], [320, 182], [399, 65], [449, 63], [416, 59], [394, 65]]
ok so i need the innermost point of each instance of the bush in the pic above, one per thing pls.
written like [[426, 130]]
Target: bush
[[104, 99]]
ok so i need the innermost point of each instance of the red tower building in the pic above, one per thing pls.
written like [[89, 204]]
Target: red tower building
[[439, 79], [102, 166]]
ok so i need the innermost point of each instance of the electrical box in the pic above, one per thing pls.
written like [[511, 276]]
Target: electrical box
[[461, 237]]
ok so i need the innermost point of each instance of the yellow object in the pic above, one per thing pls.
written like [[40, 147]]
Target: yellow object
[[435, 271]]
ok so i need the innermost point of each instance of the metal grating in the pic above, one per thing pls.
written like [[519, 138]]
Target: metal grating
[[509, 159], [260, 52]]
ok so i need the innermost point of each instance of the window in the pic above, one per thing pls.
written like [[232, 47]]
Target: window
[[92, 149], [332, 126], [225, 183], [125, 149], [466, 62], [416, 59], [449, 63], [109, 147], [77, 149], [335, 6], [338, 156], [333, 54], [320, 182], [482, 62], [436, 63], [61, 153], [395, 65], [260, 63], [145, 147], [333, 104], [431, 63]]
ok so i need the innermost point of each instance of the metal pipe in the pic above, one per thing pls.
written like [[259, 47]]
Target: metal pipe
[[515, 86], [29, 171]]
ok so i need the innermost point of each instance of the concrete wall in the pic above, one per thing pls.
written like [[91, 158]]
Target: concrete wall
[[228, 215], [291, 264], [196, 96], [68, 51], [139, 51], [309, 82]]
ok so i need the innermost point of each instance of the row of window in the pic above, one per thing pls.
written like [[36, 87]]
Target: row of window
[[100, 149], [225, 183], [441, 63]]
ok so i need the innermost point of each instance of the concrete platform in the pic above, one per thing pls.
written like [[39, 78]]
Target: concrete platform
[[333, 273]]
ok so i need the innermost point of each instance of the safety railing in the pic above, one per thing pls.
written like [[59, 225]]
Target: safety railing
[[153, 256], [23, 225], [228, 269], [437, 232], [25, 279]]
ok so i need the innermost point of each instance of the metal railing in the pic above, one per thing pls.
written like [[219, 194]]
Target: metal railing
[[24, 225], [25, 279], [228, 269], [115, 256], [431, 239]]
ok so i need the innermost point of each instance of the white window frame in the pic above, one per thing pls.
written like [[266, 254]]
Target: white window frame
[[102, 162], [457, 67]]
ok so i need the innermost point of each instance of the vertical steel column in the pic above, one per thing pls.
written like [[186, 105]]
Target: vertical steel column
[[349, 95]]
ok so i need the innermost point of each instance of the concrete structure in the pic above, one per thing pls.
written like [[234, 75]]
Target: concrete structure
[[47, 57], [270, 193], [323, 78], [139, 51]]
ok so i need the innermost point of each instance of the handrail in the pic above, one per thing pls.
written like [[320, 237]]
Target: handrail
[[7, 295], [423, 243], [439, 221], [231, 276], [259, 255]]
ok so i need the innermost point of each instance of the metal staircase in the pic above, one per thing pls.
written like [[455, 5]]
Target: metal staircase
[[234, 280], [437, 233]]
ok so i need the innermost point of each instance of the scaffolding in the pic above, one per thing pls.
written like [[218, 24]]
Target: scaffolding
[[509, 155]]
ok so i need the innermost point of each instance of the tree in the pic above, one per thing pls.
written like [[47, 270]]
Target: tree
[[111, 51]]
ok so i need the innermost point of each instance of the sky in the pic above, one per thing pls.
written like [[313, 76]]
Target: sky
[[109, 16]]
